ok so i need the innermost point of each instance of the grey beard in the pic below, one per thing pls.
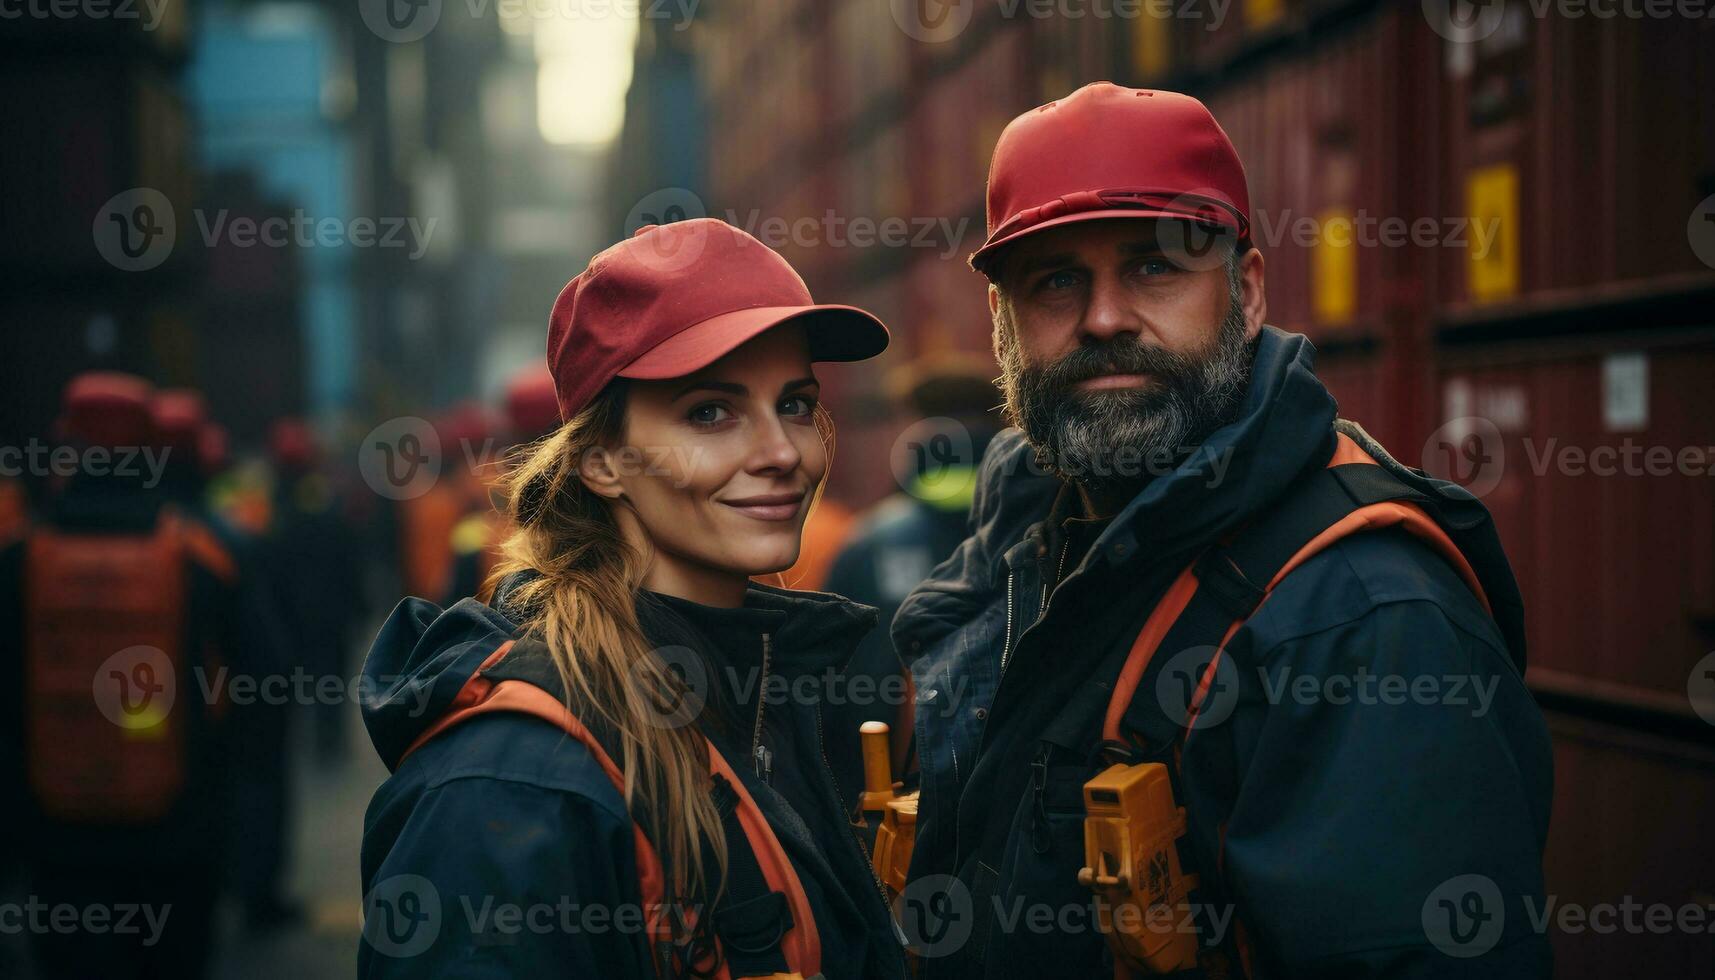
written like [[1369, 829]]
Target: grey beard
[[1115, 441]]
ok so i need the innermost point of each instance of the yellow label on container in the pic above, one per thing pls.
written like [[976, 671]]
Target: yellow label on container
[[1261, 13], [1334, 267], [1150, 36], [1492, 239]]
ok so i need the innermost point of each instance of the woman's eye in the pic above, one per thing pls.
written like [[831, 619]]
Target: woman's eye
[[797, 405], [709, 414]]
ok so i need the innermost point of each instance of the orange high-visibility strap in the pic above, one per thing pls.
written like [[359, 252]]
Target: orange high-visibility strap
[[801, 946]]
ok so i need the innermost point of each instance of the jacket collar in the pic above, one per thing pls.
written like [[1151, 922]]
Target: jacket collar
[[810, 632]]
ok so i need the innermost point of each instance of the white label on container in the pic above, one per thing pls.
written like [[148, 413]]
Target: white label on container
[[1625, 392]]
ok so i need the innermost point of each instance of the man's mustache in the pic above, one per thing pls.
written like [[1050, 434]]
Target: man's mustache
[[1125, 355]]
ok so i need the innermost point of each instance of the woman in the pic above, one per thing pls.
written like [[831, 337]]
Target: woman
[[614, 768]]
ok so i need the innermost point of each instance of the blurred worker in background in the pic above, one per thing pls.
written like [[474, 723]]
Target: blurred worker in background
[[427, 520], [1175, 524], [946, 408], [120, 592], [531, 414], [312, 554]]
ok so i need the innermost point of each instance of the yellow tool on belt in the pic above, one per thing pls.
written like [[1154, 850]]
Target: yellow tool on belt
[[1131, 861], [897, 831]]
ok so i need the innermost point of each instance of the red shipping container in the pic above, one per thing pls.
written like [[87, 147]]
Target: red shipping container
[[1627, 811], [1597, 466], [1587, 141]]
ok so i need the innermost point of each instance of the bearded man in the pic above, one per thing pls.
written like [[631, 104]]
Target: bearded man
[[1180, 557]]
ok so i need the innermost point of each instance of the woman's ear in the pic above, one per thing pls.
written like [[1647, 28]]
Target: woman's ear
[[597, 471]]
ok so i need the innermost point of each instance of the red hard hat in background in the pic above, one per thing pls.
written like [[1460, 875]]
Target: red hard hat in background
[[108, 408], [214, 449], [464, 430], [179, 414], [1107, 151], [532, 407], [675, 298], [292, 445]]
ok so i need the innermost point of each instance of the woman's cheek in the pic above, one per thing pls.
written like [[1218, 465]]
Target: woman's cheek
[[814, 455]]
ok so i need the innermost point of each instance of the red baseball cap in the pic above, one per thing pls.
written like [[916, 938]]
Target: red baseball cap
[[1107, 151], [675, 298]]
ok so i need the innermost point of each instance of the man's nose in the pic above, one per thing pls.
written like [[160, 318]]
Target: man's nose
[[1111, 311]]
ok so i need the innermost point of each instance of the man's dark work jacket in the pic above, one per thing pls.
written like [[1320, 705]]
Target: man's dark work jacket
[[1377, 801], [505, 841]]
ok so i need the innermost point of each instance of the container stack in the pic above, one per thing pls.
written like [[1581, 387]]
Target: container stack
[[1500, 235]]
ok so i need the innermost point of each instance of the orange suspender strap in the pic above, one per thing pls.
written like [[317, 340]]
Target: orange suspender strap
[[801, 946], [1370, 517]]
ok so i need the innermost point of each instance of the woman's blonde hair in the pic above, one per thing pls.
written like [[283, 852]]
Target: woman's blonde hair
[[580, 599]]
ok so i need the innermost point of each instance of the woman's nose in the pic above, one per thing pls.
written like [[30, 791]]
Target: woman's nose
[[774, 449]]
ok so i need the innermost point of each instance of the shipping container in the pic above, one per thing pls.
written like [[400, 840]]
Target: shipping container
[[1598, 462], [1583, 144], [1623, 867], [91, 129]]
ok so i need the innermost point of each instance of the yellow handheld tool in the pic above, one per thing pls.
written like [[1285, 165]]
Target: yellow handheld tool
[[1131, 861], [897, 831]]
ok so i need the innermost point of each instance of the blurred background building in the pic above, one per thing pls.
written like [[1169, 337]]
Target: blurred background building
[[1497, 222]]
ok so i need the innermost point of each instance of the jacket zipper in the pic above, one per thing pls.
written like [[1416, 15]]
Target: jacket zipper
[[760, 757], [1005, 658]]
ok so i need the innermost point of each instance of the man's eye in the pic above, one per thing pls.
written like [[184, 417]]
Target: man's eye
[[1156, 267], [797, 405], [1064, 279], [708, 414]]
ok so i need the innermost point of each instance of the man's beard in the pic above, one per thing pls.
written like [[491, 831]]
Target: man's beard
[[1113, 442]]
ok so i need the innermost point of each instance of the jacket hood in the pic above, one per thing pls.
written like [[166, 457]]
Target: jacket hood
[[424, 655], [1284, 427], [418, 663]]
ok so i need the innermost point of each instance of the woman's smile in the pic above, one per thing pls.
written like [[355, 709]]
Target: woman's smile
[[769, 506]]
